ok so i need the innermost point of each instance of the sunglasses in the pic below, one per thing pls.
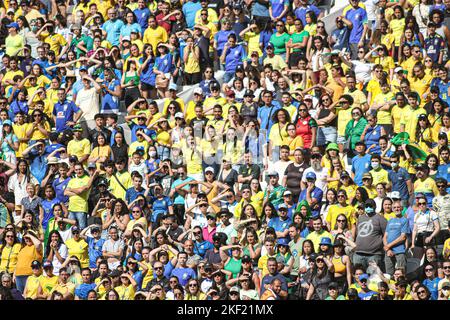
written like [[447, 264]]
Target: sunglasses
[[429, 269], [158, 268], [302, 110], [421, 292], [341, 220], [446, 267], [422, 203]]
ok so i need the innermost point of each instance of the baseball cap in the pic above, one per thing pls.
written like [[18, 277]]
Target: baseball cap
[[269, 45], [282, 242], [7, 122], [214, 86], [77, 127], [198, 91], [398, 69], [13, 25], [364, 276], [240, 68], [234, 289], [333, 285], [421, 167], [442, 135], [126, 38], [179, 115], [344, 174], [51, 160], [272, 173], [230, 93], [91, 165], [249, 93], [173, 86], [35, 264], [83, 68], [311, 175], [209, 169], [102, 182], [48, 264], [75, 229], [287, 193], [282, 206], [246, 258], [395, 195], [367, 175], [308, 97]]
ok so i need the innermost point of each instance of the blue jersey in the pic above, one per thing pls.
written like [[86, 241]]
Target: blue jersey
[[189, 9], [398, 180], [234, 57], [278, 7], [358, 17], [142, 16], [265, 115], [371, 138], [300, 12], [164, 63], [160, 206], [443, 88], [126, 29], [95, 250], [221, 37], [360, 165], [183, 275], [60, 187], [47, 206], [64, 112], [110, 103], [316, 193], [433, 46], [341, 38]]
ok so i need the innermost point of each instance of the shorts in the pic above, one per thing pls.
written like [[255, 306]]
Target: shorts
[[146, 86]]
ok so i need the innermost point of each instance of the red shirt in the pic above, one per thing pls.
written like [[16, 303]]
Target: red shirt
[[303, 128], [166, 24]]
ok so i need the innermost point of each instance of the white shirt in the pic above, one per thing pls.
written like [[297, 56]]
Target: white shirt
[[363, 71], [425, 222], [56, 264], [88, 101], [20, 187]]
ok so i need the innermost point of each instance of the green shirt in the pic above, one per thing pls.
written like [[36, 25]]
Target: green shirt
[[298, 38], [279, 42], [88, 44]]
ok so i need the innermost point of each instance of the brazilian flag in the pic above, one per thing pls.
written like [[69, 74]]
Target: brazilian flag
[[416, 153]]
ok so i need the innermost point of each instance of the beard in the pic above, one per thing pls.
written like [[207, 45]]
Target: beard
[[316, 166]]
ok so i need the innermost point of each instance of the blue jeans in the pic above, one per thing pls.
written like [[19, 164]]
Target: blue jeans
[[326, 135], [364, 260], [20, 283], [228, 76], [163, 152], [80, 218]]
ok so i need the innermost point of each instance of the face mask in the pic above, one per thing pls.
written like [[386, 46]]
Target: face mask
[[34, 28], [370, 211], [152, 154], [375, 165], [394, 165]]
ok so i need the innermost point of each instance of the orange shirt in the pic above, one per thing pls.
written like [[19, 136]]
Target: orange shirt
[[25, 258]]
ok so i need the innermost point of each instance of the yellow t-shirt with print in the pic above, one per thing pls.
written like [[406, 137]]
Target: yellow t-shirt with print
[[79, 148], [373, 87], [48, 283], [397, 26], [126, 293], [379, 176], [56, 42], [135, 145], [396, 114], [32, 286], [409, 120], [386, 62], [384, 117], [78, 249], [167, 101], [420, 86], [37, 134], [344, 116], [20, 131], [79, 202], [68, 287], [336, 209], [252, 40]]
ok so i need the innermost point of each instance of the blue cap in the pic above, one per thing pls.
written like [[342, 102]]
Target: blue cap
[[83, 68], [7, 122], [325, 241], [282, 242], [311, 175], [364, 276], [13, 25]]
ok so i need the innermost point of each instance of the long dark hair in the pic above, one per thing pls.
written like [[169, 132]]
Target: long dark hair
[[47, 247], [364, 196]]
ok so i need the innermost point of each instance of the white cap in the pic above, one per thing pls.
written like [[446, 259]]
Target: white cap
[[179, 115], [126, 38], [209, 169], [198, 91], [395, 195], [308, 96], [173, 86], [398, 69]]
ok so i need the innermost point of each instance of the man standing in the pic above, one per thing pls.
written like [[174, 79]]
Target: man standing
[[358, 17], [312, 194], [394, 240], [65, 113], [360, 163], [272, 267], [78, 190], [370, 229], [88, 101], [111, 28], [400, 180]]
